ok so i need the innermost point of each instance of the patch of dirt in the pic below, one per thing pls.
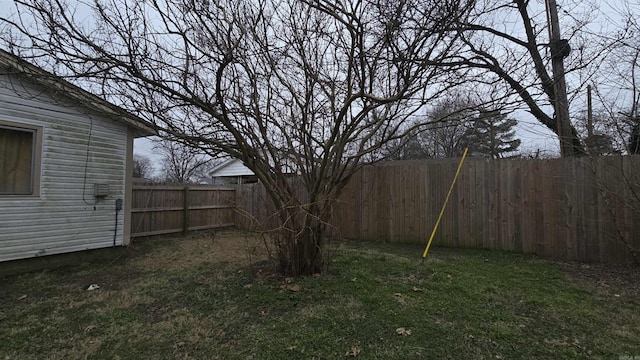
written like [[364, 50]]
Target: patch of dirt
[[228, 246], [622, 280]]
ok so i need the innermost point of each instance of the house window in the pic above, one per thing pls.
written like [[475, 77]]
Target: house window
[[19, 159]]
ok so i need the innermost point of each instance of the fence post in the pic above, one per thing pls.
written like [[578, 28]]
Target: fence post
[[185, 226]]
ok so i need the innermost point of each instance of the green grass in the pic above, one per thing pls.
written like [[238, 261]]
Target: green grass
[[178, 299]]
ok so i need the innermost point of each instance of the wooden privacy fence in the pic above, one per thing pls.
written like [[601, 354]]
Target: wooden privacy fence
[[161, 209], [585, 209]]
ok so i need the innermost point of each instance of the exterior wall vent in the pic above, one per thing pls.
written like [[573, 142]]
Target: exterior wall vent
[[101, 190]]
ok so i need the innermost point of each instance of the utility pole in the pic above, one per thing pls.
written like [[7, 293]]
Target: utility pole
[[559, 49]]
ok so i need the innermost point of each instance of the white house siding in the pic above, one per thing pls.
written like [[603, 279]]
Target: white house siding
[[79, 149], [232, 167]]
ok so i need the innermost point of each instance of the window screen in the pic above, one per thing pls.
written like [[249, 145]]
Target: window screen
[[17, 161]]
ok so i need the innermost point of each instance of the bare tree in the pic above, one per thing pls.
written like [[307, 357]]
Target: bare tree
[[142, 167], [507, 42], [311, 86], [616, 100], [443, 135], [449, 121], [182, 163], [604, 137]]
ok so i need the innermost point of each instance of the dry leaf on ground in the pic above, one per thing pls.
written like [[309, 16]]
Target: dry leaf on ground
[[354, 351], [89, 328]]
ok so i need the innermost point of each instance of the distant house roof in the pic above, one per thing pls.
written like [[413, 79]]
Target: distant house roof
[[231, 167], [91, 101]]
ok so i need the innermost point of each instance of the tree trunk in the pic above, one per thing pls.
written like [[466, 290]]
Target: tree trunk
[[307, 255], [302, 251], [300, 242]]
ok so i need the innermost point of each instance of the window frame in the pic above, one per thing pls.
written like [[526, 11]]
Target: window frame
[[36, 159]]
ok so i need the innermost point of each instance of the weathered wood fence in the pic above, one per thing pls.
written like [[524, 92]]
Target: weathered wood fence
[[161, 209], [573, 209]]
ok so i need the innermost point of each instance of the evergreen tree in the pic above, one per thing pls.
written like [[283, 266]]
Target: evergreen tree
[[492, 135]]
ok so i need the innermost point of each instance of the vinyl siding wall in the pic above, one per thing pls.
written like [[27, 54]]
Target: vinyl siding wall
[[233, 167], [79, 149]]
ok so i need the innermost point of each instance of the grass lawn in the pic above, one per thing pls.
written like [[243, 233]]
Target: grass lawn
[[217, 297]]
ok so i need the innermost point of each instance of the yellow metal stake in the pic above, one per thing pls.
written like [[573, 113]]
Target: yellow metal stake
[[446, 200]]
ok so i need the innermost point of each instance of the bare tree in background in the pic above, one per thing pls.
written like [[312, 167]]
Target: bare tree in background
[[449, 121], [507, 42], [443, 135], [181, 163], [604, 138], [142, 167], [616, 120], [311, 87]]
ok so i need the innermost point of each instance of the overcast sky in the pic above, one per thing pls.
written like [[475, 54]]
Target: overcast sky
[[534, 135]]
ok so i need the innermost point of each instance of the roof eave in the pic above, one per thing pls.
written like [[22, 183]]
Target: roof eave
[[43, 77]]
